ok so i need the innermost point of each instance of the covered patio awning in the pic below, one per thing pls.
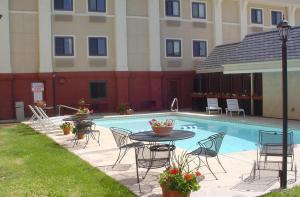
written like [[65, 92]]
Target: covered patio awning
[[259, 52]]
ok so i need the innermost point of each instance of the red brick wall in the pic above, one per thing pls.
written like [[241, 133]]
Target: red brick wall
[[133, 88]]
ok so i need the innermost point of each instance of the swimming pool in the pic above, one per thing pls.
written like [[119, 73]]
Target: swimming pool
[[239, 137]]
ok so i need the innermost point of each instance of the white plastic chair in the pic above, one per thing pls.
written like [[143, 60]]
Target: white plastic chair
[[233, 106], [36, 120], [212, 105], [44, 116]]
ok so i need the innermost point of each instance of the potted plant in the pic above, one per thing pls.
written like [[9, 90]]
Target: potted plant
[[66, 127], [121, 109], [178, 179], [41, 104], [83, 112], [80, 127], [162, 128]]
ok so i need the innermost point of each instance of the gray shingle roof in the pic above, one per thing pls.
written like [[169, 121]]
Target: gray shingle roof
[[258, 47]]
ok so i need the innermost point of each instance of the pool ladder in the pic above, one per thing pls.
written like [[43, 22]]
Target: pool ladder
[[175, 101]]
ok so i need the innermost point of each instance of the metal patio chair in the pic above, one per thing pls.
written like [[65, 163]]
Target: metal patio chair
[[152, 156], [123, 142], [209, 148], [270, 145]]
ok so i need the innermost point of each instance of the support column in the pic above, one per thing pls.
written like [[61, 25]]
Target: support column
[[154, 35], [291, 14], [217, 17], [122, 90], [121, 35], [45, 37], [243, 18], [252, 94], [5, 62]]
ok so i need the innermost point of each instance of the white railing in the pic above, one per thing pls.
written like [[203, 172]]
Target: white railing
[[175, 101], [67, 107]]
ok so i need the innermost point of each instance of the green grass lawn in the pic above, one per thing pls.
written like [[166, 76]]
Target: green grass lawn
[[31, 164], [294, 192]]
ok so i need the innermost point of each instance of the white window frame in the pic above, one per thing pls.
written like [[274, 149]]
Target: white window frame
[[203, 40], [96, 13], [181, 51], [173, 17], [88, 47], [74, 47], [262, 15], [63, 12], [191, 7], [271, 16]]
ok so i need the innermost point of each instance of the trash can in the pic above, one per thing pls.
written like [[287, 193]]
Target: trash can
[[19, 110]]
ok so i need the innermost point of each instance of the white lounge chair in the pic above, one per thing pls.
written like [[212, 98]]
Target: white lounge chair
[[233, 106], [212, 105], [45, 117], [36, 120]]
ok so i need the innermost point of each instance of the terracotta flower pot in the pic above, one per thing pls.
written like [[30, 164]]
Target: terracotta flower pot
[[80, 136], [67, 130], [172, 193], [162, 131]]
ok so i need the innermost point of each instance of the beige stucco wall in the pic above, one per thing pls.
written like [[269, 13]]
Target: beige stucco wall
[[138, 44], [297, 16], [272, 95], [266, 12], [24, 42], [231, 33], [174, 29], [23, 5], [137, 7], [230, 11], [81, 27]]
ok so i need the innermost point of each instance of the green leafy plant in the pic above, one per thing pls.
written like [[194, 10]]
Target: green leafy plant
[[179, 177], [81, 126], [122, 108], [66, 125]]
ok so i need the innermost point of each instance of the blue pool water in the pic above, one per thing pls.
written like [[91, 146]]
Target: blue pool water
[[239, 137]]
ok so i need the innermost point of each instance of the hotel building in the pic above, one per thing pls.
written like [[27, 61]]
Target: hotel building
[[140, 52]]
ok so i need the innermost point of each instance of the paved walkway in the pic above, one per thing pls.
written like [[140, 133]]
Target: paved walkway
[[238, 165]]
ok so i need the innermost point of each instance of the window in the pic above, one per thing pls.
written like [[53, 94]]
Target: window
[[173, 48], [199, 10], [199, 48], [172, 8], [256, 16], [64, 46], [64, 5], [98, 89], [276, 17], [97, 46], [97, 5]]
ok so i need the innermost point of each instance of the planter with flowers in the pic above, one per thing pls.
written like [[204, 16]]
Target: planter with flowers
[[162, 128], [179, 179], [66, 127], [83, 112]]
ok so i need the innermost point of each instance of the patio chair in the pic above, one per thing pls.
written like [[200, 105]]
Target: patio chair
[[270, 145], [121, 137], [152, 157], [44, 116], [37, 121], [209, 148], [212, 105], [233, 106]]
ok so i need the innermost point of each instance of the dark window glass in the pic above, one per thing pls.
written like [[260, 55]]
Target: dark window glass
[[64, 46], [97, 5], [256, 16], [199, 10], [199, 48], [173, 48], [63, 5], [98, 89], [172, 8], [97, 46], [276, 17]]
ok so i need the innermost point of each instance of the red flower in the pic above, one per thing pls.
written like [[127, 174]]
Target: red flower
[[188, 176], [197, 173], [174, 171]]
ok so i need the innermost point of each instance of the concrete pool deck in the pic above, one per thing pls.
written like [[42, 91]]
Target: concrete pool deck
[[238, 165]]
